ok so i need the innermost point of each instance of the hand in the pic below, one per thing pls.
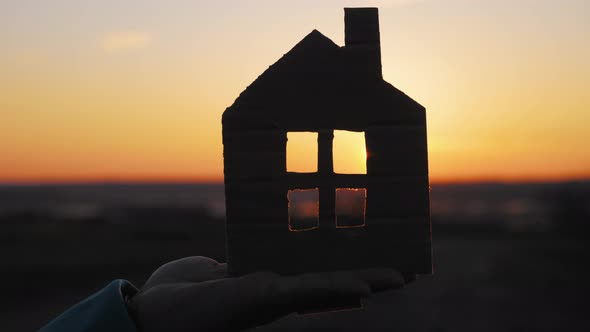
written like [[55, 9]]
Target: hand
[[195, 294]]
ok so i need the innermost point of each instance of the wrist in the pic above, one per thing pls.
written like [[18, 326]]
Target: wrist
[[128, 291]]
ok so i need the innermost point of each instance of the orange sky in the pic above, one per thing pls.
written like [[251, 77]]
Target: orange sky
[[105, 91]]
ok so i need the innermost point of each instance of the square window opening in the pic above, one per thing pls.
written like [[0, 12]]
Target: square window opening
[[302, 152], [304, 209], [350, 207], [349, 152]]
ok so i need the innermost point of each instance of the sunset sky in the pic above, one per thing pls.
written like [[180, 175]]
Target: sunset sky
[[134, 90]]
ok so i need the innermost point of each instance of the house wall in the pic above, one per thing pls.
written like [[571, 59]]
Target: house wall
[[254, 169], [397, 150], [398, 195]]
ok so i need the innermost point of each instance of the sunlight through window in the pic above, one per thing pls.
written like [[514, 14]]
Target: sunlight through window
[[302, 152], [349, 152]]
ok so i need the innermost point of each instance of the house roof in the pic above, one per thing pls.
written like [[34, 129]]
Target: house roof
[[320, 85]]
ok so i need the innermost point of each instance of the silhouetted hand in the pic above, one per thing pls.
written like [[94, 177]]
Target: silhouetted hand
[[195, 294]]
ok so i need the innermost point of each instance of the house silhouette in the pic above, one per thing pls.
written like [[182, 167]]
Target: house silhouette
[[320, 87]]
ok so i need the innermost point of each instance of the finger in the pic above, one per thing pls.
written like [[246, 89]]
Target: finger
[[343, 291], [262, 297], [409, 278], [336, 283], [380, 279], [308, 292], [188, 269], [234, 303]]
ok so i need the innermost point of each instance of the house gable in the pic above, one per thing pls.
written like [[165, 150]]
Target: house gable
[[321, 85]]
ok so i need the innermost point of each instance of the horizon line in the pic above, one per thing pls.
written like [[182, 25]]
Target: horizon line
[[205, 181]]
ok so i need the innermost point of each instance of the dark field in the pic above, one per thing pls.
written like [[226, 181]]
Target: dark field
[[507, 257]]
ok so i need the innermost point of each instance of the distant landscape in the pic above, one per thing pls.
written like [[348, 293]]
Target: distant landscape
[[507, 256]]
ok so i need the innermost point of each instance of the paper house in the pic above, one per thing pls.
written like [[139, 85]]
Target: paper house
[[290, 222]]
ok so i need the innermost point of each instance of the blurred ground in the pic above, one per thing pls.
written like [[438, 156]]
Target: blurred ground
[[500, 265]]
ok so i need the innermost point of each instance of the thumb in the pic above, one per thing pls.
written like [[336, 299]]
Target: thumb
[[188, 269]]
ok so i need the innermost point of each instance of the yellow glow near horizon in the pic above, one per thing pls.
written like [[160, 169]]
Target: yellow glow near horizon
[[89, 93]]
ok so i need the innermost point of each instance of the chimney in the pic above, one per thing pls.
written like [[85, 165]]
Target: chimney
[[361, 37]]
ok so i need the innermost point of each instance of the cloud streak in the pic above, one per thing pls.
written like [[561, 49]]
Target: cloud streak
[[124, 41]]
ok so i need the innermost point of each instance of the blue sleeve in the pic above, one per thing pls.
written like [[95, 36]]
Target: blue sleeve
[[103, 311]]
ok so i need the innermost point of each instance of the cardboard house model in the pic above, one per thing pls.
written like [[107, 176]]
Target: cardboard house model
[[320, 87]]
